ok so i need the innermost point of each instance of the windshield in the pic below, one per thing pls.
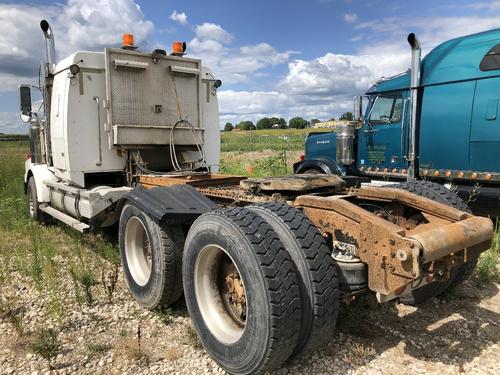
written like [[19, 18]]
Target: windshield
[[386, 109]]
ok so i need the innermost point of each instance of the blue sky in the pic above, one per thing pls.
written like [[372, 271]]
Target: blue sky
[[275, 58]]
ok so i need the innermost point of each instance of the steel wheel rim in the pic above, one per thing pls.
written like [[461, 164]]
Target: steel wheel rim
[[138, 251], [217, 306], [31, 205]]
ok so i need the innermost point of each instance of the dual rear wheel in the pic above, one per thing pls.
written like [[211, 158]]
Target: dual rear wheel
[[259, 282]]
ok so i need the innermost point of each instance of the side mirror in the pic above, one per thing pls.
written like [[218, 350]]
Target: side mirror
[[358, 108], [25, 100]]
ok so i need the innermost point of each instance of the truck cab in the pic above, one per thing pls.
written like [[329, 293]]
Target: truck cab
[[457, 124]]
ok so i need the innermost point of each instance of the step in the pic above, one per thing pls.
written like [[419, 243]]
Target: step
[[66, 219]]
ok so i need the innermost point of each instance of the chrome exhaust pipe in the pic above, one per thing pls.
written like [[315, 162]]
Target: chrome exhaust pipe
[[49, 44], [414, 84]]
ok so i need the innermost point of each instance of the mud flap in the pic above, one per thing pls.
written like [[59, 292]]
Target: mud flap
[[178, 204]]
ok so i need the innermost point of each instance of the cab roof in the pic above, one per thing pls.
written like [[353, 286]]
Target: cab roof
[[457, 59]]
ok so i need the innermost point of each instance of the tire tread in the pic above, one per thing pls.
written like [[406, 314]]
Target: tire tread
[[280, 277], [321, 272]]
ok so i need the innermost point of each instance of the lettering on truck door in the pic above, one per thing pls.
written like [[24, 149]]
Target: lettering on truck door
[[383, 136]]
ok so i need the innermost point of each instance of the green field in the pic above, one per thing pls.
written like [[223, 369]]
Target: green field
[[259, 140], [9, 137]]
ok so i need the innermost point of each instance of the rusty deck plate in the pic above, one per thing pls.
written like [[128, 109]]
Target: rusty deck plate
[[295, 182], [196, 180]]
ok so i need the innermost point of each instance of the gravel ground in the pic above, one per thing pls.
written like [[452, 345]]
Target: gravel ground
[[457, 335]]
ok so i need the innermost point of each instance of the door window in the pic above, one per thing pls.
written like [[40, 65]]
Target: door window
[[386, 110]]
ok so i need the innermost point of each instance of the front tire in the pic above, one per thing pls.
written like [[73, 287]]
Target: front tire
[[33, 205], [151, 256], [241, 291]]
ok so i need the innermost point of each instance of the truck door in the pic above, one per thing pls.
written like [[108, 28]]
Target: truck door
[[485, 127], [382, 139]]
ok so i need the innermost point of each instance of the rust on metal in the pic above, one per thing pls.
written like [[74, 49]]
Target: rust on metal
[[234, 295], [402, 237], [441, 241], [295, 182], [202, 180], [399, 249], [412, 200], [376, 239]]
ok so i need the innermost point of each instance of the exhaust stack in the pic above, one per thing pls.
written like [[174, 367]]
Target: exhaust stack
[[49, 44], [414, 83]]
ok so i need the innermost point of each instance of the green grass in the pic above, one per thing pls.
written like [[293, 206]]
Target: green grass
[[46, 344], [259, 140], [488, 266], [261, 164], [45, 254]]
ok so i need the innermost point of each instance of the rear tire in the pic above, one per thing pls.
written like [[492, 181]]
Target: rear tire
[[316, 271], [441, 194], [151, 257], [241, 291]]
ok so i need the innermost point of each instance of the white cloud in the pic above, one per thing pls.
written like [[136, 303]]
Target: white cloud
[[324, 87], [331, 74], [95, 24], [350, 17], [212, 31], [251, 102], [178, 17], [236, 106], [430, 30], [319, 88], [489, 5], [233, 65], [77, 25]]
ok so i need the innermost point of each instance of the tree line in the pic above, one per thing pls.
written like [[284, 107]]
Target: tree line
[[281, 123]]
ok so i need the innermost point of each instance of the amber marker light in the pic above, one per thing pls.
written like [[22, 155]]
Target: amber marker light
[[488, 176], [448, 173], [426, 172], [436, 173], [460, 174], [473, 175], [178, 48], [394, 170], [128, 40]]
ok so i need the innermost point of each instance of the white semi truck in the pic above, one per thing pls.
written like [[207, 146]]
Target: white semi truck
[[132, 138]]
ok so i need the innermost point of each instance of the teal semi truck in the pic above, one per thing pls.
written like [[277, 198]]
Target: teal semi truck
[[438, 122]]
